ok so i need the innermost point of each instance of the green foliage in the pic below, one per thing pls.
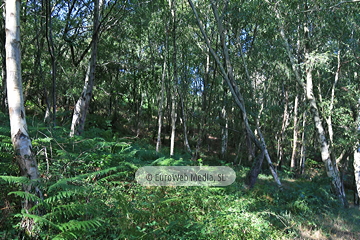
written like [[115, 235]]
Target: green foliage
[[89, 192]]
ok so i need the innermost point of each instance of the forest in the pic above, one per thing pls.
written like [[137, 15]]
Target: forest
[[94, 90]]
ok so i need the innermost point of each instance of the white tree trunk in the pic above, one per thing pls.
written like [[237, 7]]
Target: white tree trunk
[[330, 166], [161, 104], [19, 135], [172, 5], [357, 157], [224, 131], [303, 146], [295, 134], [173, 123], [82, 105]]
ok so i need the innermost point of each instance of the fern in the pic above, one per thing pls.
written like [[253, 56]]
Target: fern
[[26, 195], [75, 225], [15, 180]]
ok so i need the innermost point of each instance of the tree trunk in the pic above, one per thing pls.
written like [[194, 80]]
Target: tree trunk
[[172, 4], [330, 166], [357, 157], [25, 158], [227, 73], [161, 105], [3, 64], [285, 122], [295, 134], [303, 146], [224, 129], [82, 105], [329, 119], [184, 119], [204, 107], [49, 38]]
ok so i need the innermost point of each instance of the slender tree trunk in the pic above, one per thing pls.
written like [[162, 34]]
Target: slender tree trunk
[[204, 107], [173, 123], [295, 134], [227, 73], [184, 118], [224, 129], [329, 119], [82, 105], [161, 105], [19, 135], [49, 38], [303, 145], [285, 122], [357, 158], [330, 166], [3, 63], [172, 4]]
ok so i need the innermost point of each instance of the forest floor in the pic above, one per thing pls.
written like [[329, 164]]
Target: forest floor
[[91, 193]]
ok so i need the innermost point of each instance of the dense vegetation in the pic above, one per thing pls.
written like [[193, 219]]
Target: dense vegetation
[[178, 83], [90, 193]]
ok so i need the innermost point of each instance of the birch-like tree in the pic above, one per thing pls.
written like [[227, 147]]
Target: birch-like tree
[[304, 77], [357, 156], [227, 72], [82, 105], [25, 157]]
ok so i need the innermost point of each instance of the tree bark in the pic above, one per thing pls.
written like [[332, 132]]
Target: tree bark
[[161, 105], [303, 146], [24, 155], [285, 123], [184, 119], [295, 134], [172, 4], [3, 63], [330, 166], [49, 38], [357, 157], [82, 105], [224, 128]]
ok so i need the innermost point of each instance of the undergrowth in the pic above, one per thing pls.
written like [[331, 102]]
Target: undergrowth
[[90, 193]]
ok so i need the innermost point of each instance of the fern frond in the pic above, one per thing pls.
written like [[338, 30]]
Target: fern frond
[[15, 180], [42, 220], [75, 225], [26, 195], [60, 195]]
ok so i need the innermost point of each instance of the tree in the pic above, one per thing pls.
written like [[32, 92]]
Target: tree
[[19, 134], [227, 72], [357, 156], [305, 78], [82, 105]]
